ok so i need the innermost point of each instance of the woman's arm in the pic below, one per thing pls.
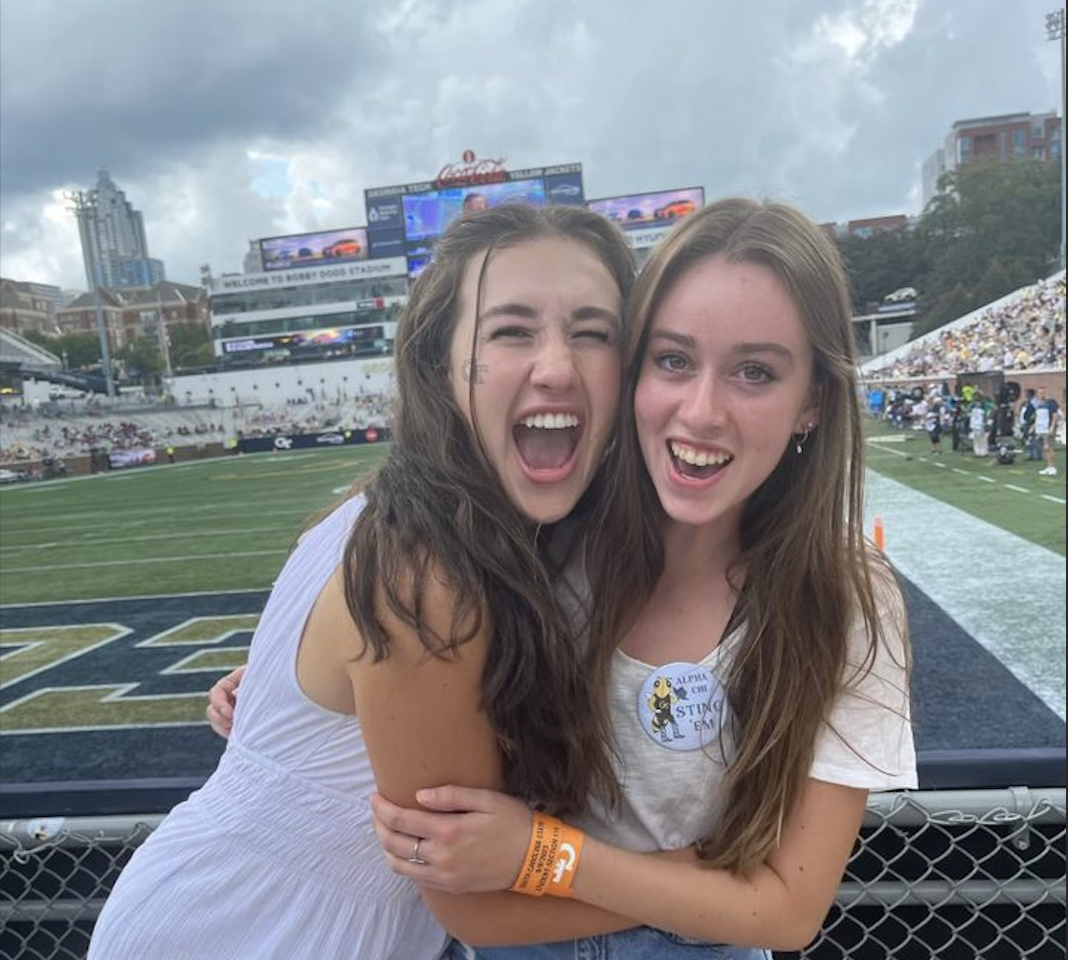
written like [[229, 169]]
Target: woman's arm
[[781, 906], [423, 723]]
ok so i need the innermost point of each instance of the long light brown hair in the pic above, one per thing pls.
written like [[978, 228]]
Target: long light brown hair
[[437, 505], [807, 570]]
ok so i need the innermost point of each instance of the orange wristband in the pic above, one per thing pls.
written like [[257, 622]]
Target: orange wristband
[[551, 860]]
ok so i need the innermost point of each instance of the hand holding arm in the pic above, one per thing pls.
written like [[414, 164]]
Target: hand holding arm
[[443, 736], [222, 698], [473, 840]]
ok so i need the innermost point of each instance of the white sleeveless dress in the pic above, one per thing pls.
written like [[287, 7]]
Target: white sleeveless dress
[[274, 858]]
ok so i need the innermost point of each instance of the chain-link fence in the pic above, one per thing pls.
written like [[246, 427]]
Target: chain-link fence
[[946, 874]]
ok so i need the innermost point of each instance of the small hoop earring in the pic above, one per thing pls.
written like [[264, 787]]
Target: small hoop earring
[[802, 439]]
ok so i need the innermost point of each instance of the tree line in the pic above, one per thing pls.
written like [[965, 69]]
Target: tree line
[[141, 360], [991, 228]]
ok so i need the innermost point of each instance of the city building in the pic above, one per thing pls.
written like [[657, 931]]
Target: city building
[[135, 313], [112, 232], [28, 307], [868, 226], [1013, 136], [253, 261]]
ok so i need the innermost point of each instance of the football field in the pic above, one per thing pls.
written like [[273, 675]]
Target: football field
[[124, 595], [203, 525]]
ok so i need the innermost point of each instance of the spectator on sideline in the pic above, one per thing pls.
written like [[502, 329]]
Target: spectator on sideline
[[427, 608], [959, 424], [1031, 441], [933, 423], [877, 401], [978, 425], [1047, 420]]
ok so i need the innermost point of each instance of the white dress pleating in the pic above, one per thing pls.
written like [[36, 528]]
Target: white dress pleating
[[274, 858]]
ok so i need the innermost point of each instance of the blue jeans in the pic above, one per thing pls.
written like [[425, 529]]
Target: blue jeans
[[638, 943]]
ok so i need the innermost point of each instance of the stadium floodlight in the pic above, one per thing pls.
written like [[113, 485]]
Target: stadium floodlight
[[83, 205], [1055, 31]]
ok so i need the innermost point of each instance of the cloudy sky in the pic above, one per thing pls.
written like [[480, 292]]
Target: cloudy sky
[[230, 120]]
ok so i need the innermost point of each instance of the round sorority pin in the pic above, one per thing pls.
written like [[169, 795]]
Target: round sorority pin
[[680, 706]]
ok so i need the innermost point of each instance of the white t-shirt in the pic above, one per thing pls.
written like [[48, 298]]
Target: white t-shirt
[[670, 762]]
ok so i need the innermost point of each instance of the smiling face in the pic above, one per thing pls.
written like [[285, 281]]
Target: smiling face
[[543, 388], [726, 380]]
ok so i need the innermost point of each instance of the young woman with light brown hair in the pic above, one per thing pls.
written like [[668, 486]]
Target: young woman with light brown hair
[[751, 646]]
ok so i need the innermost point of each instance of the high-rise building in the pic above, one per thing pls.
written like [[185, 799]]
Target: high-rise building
[[253, 258], [113, 238]]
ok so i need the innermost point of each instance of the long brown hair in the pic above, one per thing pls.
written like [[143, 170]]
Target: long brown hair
[[807, 569], [437, 505]]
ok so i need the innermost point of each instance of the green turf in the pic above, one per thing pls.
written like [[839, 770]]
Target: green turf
[[212, 525], [226, 524], [1011, 496]]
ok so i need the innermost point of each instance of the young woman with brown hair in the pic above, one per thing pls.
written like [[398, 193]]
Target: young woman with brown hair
[[419, 632], [751, 645]]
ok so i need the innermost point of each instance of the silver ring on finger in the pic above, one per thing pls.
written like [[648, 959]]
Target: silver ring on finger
[[415, 858]]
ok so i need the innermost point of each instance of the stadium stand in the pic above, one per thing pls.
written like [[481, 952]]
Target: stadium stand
[[75, 427], [1023, 331], [20, 357], [18, 352]]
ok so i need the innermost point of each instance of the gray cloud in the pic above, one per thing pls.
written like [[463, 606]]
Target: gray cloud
[[194, 107]]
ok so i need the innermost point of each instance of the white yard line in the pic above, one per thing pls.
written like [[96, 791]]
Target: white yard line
[[1008, 593], [138, 561]]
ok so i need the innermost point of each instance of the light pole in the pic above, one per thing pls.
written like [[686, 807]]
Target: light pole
[[164, 336], [84, 206], [1055, 31]]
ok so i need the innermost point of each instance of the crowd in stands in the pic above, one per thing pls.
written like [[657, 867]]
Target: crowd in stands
[[60, 439], [1024, 331], [310, 415], [31, 433]]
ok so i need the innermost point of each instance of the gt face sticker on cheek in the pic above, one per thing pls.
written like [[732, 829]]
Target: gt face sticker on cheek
[[473, 371]]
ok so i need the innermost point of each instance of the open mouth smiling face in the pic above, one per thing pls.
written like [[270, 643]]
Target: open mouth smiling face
[[547, 441], [547, 369], [726, 381], [695, 463]]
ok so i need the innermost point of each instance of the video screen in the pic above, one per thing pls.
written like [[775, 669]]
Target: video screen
[[314, 249], [406, 219], [643, 210], [427, 215]]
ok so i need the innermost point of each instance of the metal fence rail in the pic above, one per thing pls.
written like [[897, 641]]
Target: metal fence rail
[[946, 874]]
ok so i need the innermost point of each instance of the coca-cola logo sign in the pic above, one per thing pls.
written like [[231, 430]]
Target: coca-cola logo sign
[[471, 170]]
